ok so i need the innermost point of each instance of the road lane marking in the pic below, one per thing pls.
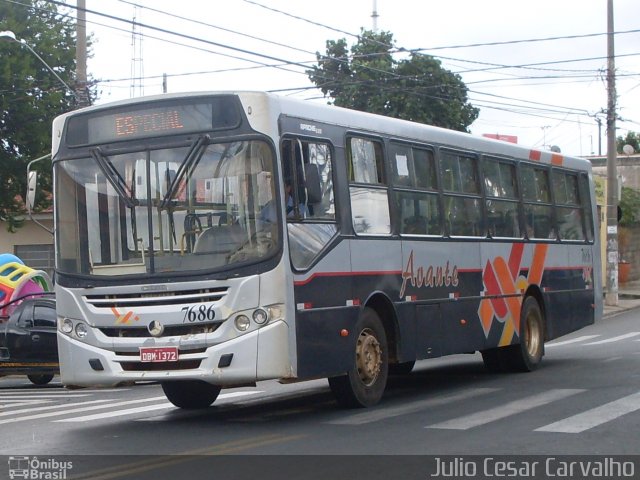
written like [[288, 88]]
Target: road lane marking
[[20, 403], [505, 410], [148, 408], [384, 413], [36, 397], [234, 446], [59, 391], [615, 339], [596, 416], [51, 407], [226, 396], [573, 340], [612, 359], [67, 411], [118, 413]]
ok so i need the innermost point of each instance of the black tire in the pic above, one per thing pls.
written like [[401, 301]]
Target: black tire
[[40, 379], [364, 383], [403, 368], [190, 394], [526, 356]]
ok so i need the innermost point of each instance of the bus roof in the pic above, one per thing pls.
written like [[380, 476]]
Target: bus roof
[[359, 121]]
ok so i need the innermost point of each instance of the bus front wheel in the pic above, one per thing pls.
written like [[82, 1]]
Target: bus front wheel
[[190, 394], [40, 379], [364, 383]]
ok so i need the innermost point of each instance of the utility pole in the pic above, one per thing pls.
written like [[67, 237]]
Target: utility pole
[[611, 297], [599, 122], [82, 94], [375, 16]]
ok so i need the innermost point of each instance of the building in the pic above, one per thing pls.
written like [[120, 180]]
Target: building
[[628, 168], [32, 243]]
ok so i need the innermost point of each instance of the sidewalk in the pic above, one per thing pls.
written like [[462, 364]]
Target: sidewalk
[[628, 298]]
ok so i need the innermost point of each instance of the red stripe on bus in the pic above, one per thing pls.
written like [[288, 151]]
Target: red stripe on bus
[[515, 258], [535, 155], [493, 288], [298, 283]]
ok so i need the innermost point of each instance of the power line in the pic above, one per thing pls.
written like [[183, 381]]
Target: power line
[[447, 47], [182, 35], [228, 30], [300, 64], [286, 62]]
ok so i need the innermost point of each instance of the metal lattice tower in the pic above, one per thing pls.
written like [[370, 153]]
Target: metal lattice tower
[[137, 63]]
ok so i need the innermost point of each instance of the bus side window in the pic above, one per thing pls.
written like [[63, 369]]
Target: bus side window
[[368, 191], [307, 168], [415, 185], [538, 210], [462, 202], [500, 184], [569, 211]]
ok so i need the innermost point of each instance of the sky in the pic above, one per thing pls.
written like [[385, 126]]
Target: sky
[[551, 99]]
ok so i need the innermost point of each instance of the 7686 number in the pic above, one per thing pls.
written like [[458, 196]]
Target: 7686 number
[[198, 313]]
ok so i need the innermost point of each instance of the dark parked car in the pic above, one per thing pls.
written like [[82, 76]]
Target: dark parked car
[[28, 344]]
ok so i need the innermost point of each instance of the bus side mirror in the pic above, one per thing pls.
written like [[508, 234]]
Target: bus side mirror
[[32, 180]]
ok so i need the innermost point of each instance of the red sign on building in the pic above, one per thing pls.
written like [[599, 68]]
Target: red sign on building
[[504, 138]]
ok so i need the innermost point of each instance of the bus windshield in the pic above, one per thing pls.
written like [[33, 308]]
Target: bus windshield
[[202, 206]]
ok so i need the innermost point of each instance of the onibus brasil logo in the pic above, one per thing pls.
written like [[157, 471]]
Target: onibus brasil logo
[[35, 468]]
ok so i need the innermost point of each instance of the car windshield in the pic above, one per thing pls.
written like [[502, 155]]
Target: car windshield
[[197, 207]]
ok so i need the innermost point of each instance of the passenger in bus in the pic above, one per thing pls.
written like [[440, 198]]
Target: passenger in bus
[[291, 211], [268, 212]]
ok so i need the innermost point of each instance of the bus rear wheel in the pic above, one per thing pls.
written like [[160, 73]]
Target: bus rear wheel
[[190, 394], [526, 356], [364, 383]]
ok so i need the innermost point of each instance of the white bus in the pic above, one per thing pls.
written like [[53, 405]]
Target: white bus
[[211, 240]]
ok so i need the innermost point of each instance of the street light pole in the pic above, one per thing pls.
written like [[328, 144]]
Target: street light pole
[[611, 297], [9, 36], [81, 55]]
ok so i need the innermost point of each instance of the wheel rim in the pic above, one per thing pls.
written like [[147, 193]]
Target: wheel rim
[[368, 357], [533, 334]]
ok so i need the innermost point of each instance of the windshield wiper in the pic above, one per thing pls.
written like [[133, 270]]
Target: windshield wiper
[[113, 176], [191, 159]]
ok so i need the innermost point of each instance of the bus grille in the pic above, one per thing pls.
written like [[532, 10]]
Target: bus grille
[[156, 366], [130, 300], [169, 330], [136, 353]]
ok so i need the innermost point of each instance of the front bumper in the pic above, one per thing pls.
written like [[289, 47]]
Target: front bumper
[[259, 355]]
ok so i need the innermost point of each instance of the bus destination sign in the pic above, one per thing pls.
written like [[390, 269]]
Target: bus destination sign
[[156, 119], [163, 121], [149, 122]]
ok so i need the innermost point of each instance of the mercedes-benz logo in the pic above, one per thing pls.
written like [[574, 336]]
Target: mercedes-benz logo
[[155, 328]]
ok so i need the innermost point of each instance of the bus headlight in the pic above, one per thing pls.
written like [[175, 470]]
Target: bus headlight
[[66, 326], [276, 312], [260, 316], [81, 330], [242, 323]]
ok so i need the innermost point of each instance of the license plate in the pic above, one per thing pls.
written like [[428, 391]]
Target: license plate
[[159, 354]]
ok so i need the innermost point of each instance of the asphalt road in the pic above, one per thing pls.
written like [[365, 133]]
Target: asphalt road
[[584, 400]]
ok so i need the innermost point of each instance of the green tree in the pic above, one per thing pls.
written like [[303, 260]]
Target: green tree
[[31, 96], [630, 206], [367, 77], [632, 138]]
